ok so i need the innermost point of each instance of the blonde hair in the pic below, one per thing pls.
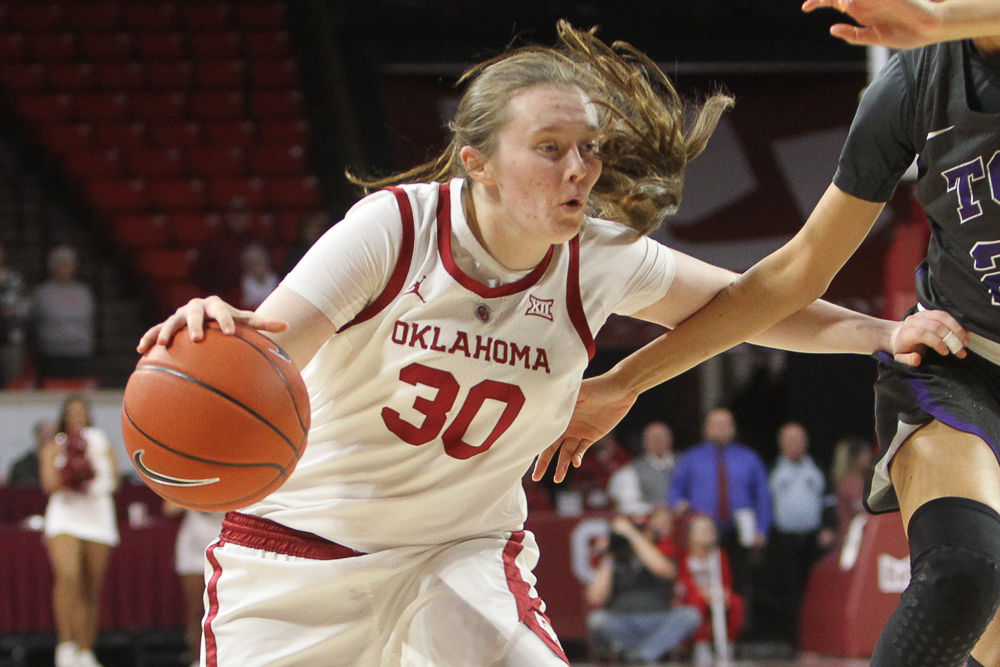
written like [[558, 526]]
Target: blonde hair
[[644, 142]]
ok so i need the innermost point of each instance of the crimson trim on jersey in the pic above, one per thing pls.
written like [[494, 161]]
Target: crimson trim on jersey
[[529, 608], [259, 533], [212, 592], [466, 281], [399, 273], [574, 304]]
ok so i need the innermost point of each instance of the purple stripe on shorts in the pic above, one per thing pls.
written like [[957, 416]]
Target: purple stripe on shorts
[[938, 411]]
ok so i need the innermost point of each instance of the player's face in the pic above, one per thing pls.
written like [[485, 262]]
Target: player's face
[[546, 161]]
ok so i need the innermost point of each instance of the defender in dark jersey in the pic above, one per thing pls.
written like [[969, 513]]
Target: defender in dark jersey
[[938, 413]]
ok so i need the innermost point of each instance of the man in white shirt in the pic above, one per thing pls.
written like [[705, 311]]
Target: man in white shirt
[[642, 484]]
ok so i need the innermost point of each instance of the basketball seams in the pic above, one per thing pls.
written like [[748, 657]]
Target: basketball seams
[[199, 459], [186, 501], [226, 506], [215, 390], [277, 369]]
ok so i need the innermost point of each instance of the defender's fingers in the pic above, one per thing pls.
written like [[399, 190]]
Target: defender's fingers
[[909, 358]]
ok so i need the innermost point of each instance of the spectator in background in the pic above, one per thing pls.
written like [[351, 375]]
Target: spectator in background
[[311, 227], [62, 316], [13, 313], [633, 592], [258, 279], [726, 481], [798, 536], [706, 580], [852, 458], [591, 479], [219, 266], [79, 473], [25, 470], [641, 485], [196, 532]]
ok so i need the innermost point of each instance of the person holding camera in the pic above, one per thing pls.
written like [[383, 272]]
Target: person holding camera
[[634, 616]]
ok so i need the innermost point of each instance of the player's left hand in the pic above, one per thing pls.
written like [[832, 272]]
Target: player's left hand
[[928, 329], [599, 407]]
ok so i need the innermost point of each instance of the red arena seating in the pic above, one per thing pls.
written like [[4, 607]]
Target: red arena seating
[[169, 74], [71, 77], [218, 160], [227, 73], [214, 44], [106, 45], [137, 230], [114, 75], [177, 193], [118, 194], [175, 133], [143, 17], [165, 44]]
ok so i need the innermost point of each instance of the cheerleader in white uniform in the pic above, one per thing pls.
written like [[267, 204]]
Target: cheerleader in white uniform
[[80, 474]]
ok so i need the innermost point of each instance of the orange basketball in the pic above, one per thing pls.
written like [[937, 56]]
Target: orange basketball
[[218, 424]]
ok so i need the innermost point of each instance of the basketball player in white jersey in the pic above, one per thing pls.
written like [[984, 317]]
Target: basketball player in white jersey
[[442, 329]]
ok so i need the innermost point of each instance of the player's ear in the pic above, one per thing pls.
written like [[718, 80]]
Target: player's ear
[[476, 165]]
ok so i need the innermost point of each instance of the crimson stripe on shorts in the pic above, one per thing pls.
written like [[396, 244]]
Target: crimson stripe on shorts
[[466, 281], [398, 277], [528, 607], [573, 301], [212, 591]]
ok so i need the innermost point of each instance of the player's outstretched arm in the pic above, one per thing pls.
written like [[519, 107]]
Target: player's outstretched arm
[[773, 304], [907, 24]]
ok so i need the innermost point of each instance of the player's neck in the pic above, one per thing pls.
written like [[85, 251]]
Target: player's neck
[[486, 223]]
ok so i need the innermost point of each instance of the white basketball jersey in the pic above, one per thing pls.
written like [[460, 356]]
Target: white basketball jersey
[[429, 405]]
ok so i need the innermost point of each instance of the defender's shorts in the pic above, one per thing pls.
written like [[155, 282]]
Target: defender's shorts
[[961, 393]]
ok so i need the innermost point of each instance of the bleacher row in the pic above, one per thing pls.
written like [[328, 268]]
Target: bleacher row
[[163, 114]]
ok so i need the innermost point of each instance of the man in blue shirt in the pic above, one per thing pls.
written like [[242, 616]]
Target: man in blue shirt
[[728, 482]]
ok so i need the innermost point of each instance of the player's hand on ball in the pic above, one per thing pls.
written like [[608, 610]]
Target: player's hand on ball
[[599, 407], [928, 329], [196, 312]]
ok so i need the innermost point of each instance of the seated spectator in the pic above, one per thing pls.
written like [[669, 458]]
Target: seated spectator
[[219, 268], [635, 616], [258, 279], [661, 527], [641, 485], [25, 470], [62, 317], [707, 583], [13, 313], [311, 227]]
